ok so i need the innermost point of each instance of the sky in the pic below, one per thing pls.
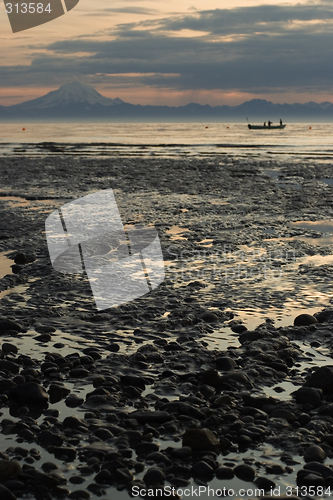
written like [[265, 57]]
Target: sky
[[173, 53]]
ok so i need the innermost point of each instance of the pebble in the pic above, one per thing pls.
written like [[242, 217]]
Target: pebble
[[225, 363], [322, 379], [202, 469], [154, 475], [9, 469], [314, 454], [305, 320], [224, 472], [73, 401], [310, 395], [244, 472], [323, 470], [8, 348], [201, 439], [209, 317], [182, 453], [6, 494], [30, 393], [7, 325]]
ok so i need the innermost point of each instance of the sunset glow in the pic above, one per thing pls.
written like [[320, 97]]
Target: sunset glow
[[173, 53]]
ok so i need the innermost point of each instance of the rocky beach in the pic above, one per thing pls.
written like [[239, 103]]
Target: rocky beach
[[221, 377]]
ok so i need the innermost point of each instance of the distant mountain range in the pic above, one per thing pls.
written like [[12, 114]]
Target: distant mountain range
[[76, 102]]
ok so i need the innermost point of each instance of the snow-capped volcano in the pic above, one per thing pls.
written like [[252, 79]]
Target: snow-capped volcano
[[70, 94]]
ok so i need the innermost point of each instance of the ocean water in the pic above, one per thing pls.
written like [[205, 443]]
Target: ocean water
[[167, 139]]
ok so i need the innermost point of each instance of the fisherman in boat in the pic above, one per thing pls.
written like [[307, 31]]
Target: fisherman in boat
[[280, 122], [269, 123], [264, 124]]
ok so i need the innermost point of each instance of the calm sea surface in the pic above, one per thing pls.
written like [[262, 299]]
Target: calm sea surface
[[171, 140]]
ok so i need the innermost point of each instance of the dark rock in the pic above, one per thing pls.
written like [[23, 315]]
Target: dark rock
[[113, 347], [322, 378], [76, 480], [236, 376], [182, 453], [9, 366], [124, 475], [9, 348], [65, 453], [48, 438], [44, 337], [158, 458], [9, 469], [44, 328], [73, 422], [72, 401], [224, 472], [104, 477], [283, 413], [22, 258], [225, 363], [57, 392], [150, 416], [305, 320], [29, 393], [201, 439], [209, 317], [238, 328], [145, 448], [104, 434], [264, 483], [325, 315], [314, 454], [5, 384], [310, 395], [317, 467], [244, 472], [277, 365], [212, 378], [6, 494], [8, 324], [42, 479], [309, 479], [244, 441], [49, 466], [133, 380], [15, 486], [79, 373], [202, 469], [154, 476], [304, 418]]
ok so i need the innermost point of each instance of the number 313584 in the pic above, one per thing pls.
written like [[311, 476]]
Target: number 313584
[[27, 8]]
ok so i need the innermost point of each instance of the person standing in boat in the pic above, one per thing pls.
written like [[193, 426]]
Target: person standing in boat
[[280, 122], [264, 124], [269, 123]]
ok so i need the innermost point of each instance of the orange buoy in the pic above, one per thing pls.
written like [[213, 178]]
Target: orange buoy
[[206, 127], [23, 129], [227, 127], [310, 128]]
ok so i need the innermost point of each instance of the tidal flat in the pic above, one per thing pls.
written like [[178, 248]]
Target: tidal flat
[[209, 380]]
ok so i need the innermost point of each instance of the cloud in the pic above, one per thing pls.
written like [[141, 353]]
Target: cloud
[[262, 49], [264, 18], [132, 10]]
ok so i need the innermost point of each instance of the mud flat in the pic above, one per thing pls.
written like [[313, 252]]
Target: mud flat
[[204, 381]]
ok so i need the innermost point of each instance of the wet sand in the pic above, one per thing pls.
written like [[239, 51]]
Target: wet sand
[[238, 240]]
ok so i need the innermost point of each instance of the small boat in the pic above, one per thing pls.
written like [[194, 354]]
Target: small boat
[[265, 127]]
